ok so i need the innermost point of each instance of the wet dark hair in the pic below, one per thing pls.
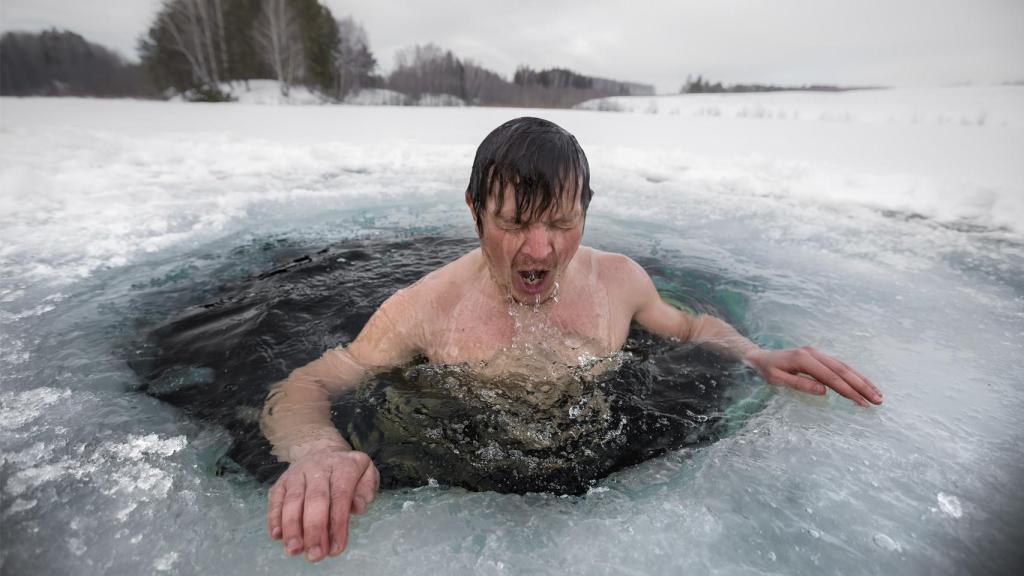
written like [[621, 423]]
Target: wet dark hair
[[539, 159]]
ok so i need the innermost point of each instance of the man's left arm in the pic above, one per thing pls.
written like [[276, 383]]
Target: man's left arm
[[804, 369]]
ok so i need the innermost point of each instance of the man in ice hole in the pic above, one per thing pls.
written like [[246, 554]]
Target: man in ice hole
[[528, 194]]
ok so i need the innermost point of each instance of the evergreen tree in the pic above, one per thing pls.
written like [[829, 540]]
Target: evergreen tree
[[320, 38], [62, 63], [194, 45]]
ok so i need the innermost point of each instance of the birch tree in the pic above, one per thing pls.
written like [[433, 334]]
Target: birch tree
[[353, 60], [191, 24], [218, 9], [278, 38]]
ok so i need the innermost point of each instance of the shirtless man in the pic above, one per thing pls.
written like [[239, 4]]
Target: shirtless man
[[528, 194]]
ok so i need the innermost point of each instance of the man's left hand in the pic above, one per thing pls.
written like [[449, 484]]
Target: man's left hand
[[808, 370]]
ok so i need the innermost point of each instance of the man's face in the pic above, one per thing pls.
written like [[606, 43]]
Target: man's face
[[527, 258]]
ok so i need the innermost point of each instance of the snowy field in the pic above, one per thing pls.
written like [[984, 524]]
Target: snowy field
[[963, 106], [885, 227]]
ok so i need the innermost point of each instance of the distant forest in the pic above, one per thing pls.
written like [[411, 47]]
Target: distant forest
[[54, 63], [200, 48], [197, 48], [699, 85]]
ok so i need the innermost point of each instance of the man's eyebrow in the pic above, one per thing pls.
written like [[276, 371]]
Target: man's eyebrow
[[511, 218]]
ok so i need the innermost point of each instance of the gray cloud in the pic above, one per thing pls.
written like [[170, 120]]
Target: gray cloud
[[896, 42]]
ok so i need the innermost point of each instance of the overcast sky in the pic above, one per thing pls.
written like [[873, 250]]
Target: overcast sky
[[851, 42]]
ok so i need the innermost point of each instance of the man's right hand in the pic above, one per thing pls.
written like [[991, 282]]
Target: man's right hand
[[309, 505]]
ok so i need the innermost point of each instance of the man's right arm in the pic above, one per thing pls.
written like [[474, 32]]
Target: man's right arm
[[309, 505]]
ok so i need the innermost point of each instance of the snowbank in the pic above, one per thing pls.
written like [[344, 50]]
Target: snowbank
[[384, 97], [377, 97], [968, 106], [264, 92], [268, 92]]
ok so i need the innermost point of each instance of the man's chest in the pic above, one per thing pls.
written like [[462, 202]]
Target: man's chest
[[562, 331]]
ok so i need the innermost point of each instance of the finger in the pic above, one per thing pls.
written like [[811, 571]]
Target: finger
[[342, 480], [862, 377], [274, 506], [850, 376], [315, 514], [365, 490], [810, 365], [801, 383], [291, 514]]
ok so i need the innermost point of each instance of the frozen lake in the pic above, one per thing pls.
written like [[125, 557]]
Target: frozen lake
[[886, 228]]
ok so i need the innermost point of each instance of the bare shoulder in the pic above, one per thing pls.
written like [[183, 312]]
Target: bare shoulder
[[440, 289], [614, 268], [627, 281], [400, 326]]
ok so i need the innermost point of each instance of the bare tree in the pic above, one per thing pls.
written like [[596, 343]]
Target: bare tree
[[352, 57], [278, 38], [483, 86], [427, 69], [218, 9], [190, 25], [201, 9]]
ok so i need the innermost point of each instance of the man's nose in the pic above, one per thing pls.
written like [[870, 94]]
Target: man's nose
[[538, 243]]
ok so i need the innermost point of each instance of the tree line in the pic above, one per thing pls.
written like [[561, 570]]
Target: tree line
[[429, 69], [699, 85], [61, 63], [197, 48]]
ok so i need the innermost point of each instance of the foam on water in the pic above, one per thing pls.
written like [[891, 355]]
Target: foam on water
[[896, 246]]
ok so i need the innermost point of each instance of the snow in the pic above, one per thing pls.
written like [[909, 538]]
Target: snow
[[265, 93], [211, 170], [376, 97], [966, 106], [896, 244], [269, 93], [385, 97]]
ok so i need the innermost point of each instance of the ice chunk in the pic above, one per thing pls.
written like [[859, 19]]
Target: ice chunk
[[884, 542], [950, 505]]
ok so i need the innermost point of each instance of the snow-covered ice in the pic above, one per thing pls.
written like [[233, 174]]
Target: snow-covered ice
[[886, 227]]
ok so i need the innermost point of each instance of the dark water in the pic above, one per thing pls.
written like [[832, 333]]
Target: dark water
[[217, 360]]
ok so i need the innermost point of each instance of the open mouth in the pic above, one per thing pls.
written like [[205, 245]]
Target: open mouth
[[533, 277]]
